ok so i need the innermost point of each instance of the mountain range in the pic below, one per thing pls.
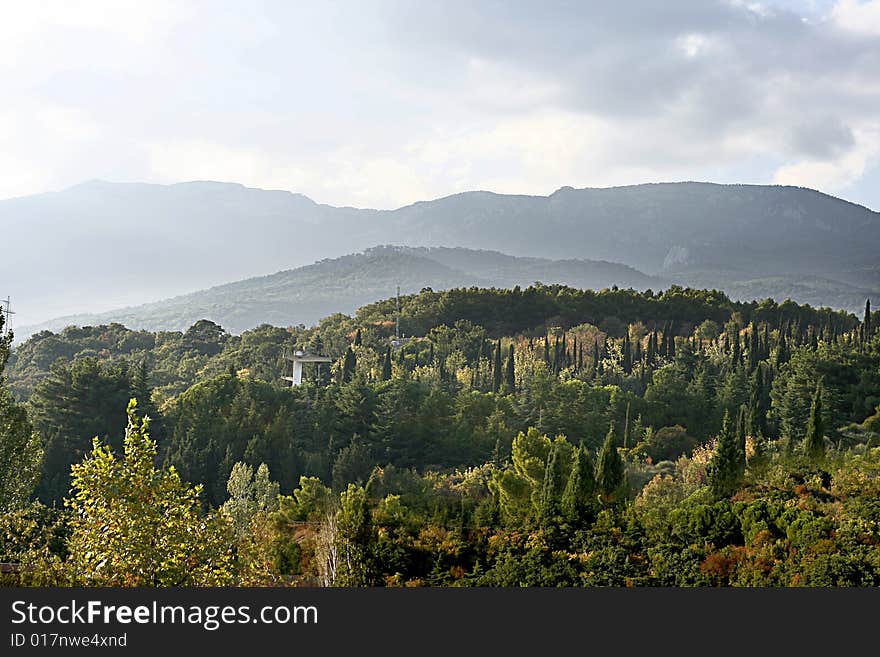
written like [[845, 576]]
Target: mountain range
[[100, 246], [307, 294]]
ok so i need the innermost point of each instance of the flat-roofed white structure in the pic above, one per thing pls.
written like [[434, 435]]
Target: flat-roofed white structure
[[298, 358]]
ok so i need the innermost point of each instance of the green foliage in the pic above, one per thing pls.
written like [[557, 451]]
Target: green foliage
[[434, 463], [135, 525]]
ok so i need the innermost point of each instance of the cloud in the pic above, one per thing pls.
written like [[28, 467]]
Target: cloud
[[402, 100], [861, 17]]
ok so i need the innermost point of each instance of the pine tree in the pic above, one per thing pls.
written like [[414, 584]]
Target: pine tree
[[577, 499], [610, 471], [814, 443], [510, 371]]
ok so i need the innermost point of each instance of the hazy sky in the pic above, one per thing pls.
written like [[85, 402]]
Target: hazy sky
[[379, 104]]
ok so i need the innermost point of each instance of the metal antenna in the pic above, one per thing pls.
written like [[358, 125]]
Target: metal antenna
[[397, 329], [7, 311]]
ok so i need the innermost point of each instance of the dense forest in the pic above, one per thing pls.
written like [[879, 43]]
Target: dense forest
[[540, 436]]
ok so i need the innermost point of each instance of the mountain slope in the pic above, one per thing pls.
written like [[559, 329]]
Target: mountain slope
[[103, 245], [307, 294]]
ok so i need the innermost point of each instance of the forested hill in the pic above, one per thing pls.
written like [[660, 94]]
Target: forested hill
[[179, 358], [341, 285], [539, 436], [164, 240]]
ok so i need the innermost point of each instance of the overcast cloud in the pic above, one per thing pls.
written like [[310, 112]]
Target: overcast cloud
[[379, 104]]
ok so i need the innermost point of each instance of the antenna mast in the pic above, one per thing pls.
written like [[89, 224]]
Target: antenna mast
[[6, 311]]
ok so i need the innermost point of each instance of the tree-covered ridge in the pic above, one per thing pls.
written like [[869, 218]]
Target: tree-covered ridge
[[542, 436]]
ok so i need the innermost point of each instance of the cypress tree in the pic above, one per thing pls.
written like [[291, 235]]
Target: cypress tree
[[357, 338], [549, 507], [781, 351], [496, 369], [757, 418], [349, 365], [577, 499], [386, 364], [867, 321], [736, 354], [547, 349], [670, 348], [754, 347], [814, 443], [610, 472], [723, 469], [741, 440], [627, 354], [510, 371], [626, 426], [595, 356]]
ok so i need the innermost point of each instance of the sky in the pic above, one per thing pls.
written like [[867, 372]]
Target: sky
[[384, 103]]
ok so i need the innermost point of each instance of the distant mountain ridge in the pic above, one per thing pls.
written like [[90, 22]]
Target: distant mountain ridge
[[308, 294], [100, 246]]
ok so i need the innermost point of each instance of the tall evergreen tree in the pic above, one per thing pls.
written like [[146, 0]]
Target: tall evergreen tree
[[782, 354], [741, 440], [552, 483], [577, 499], [756, 423], [610, 471], [867, 321], [349, 365], [814, 443], [386, 364], [627, 354], [724, 467], [510, 371], [497, 374]]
